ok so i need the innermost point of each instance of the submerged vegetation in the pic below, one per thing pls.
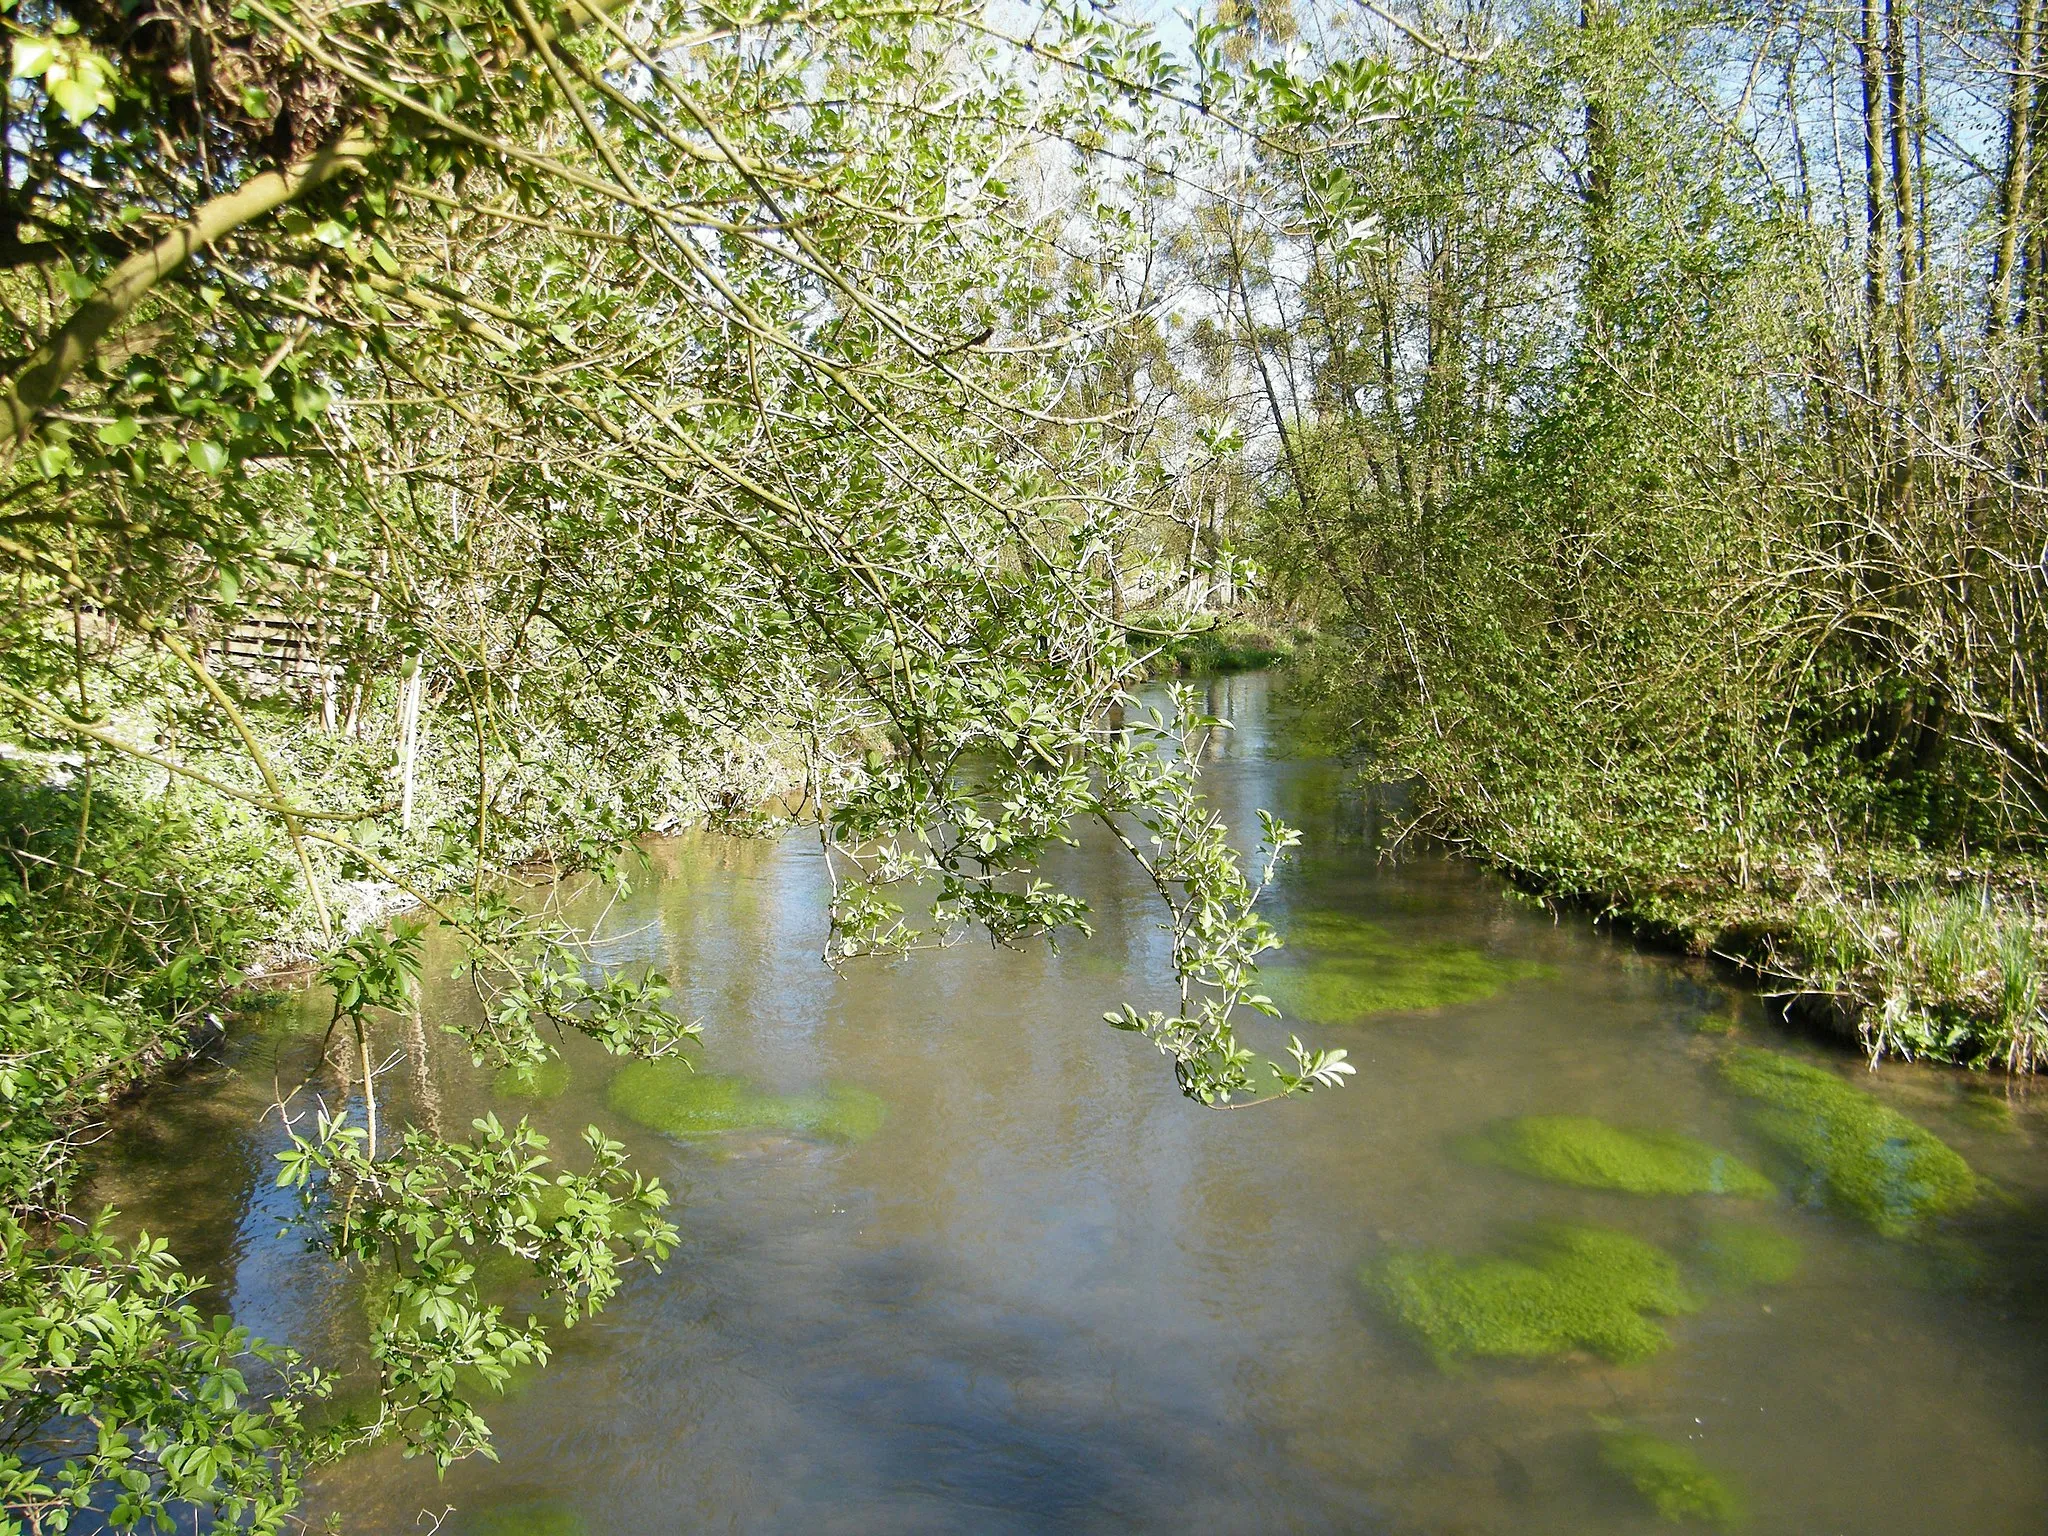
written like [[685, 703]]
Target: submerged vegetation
[[1740, 1255], [1576, 1149], [1853, 1153], [1671, 1478], [671, 1097], [438, 439], [1558, 1288], [1349, 969]]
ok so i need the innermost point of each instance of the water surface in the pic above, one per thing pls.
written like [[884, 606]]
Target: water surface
[[1050, 1295]]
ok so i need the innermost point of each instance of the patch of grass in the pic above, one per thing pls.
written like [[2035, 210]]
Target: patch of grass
[[1738, 1255], [1858, 1155], [1559, 1288], [1577, 1149], [1227, 645], [1671, 1478], [532, 1080], [1352, 969], [667, 1096]]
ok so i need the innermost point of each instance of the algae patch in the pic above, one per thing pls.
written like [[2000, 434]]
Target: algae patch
[[546, 1517], [1736, 1255], [1559, 1288], [1671, 1478], [1352, 969], [532, 1080], [667, 1096], [1859, 1155], [1577, 1149]]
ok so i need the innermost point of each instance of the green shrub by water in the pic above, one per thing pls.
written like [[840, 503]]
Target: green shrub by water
[[1577, 1149], [667, 1096], [1560, 1288], [1227, 645], [1671, 1478], [1858, 1155], [1350, 969]]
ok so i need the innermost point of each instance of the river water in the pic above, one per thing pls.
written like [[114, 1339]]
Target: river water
[[1050, 1295]]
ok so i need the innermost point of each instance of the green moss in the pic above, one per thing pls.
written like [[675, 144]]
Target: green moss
[[1859, 1155], [532, 1080], [1576, 1149], [1736, 1255], [1351, 969], [667, 1096], [1560, 1288], [1671, 1478], [541, 1517]]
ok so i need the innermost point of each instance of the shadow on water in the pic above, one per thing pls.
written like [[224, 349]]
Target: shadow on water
[[1039, 1292]]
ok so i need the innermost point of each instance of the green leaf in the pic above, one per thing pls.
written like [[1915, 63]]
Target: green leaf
[[118, 434], [206, 456], [33, 55], [78, 98]]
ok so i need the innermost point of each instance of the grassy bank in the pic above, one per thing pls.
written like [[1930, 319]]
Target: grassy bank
[[139, 910], [1218, 643], [1902, 951]]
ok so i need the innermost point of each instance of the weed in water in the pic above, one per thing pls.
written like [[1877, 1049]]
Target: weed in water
[[1738, 1255], [1858, 1155], [542, 1517], [1352, 969], [667, 1096], [1577, 1149], [1671, 1478], [532, 1080], [1559, 1288]]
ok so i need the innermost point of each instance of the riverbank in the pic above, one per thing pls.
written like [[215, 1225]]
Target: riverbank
[[1897, 952], [140, 912]]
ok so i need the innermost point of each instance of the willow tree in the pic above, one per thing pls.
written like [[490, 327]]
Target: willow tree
[[610, 383]]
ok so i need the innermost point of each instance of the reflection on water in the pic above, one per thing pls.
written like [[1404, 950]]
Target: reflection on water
[[1040, 1292]]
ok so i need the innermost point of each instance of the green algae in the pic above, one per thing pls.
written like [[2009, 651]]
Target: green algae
[[541, 1517], [532, 1080], [1738, 1255], [1353, 969], [667, 1096], [1671, 1478], [1577, 1149], [1559, 1288], [1859, 1156]]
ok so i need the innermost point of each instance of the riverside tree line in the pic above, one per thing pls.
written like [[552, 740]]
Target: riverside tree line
[[617, 407]]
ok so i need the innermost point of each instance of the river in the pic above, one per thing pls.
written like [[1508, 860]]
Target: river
[[1048, 1294]]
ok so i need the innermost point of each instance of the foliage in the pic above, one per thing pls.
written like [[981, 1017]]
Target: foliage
[[1671, 1478], [1576, 1149], [1857, 1154], [1222, 646], [1560, 1288], [424, 1213], [162, 1408], [675, 1099], [1660, 472]]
